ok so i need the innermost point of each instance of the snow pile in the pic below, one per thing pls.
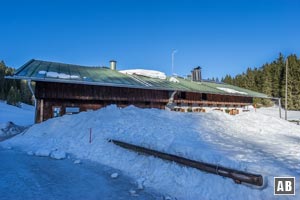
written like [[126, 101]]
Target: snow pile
[[58, 75], [251, 142], [145, 72], [10, 129], [114, 175], [77, 161], [174, 80], [229, 90], [58, 155], [42, 152], [45, 152]]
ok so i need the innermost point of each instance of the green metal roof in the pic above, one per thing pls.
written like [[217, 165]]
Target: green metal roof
[[59, 72], [236, 90], [38, 70]]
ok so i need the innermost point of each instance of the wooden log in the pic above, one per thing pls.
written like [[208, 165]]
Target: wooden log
[[236, 175]]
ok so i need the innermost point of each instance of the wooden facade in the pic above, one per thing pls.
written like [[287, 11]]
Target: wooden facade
[[55, 99]]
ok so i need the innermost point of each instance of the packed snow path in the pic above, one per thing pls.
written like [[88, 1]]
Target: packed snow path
[[30, 177], [250, 142]]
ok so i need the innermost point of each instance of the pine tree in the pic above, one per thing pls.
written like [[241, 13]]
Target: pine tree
[[270, 79], [293, 83], [7, 86], [2, 75], [25, 92], [13, 97], [227, 79], [250, 80]]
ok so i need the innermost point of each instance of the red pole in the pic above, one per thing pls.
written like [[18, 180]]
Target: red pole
[[90, 135]]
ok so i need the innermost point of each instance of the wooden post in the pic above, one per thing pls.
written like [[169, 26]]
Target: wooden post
[[42, 110], [286, 88], [90, 135], [279, 105]]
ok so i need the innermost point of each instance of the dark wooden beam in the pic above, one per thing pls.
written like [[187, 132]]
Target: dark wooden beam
[[236, 175]]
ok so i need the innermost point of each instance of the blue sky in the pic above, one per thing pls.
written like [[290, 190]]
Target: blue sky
[[223, 37]]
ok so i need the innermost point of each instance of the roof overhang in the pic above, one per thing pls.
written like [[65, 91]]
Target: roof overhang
[[50, 80]]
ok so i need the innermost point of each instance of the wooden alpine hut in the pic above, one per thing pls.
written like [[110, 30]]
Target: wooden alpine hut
[[67, 89]]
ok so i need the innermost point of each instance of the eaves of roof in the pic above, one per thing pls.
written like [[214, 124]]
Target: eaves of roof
[[37, 70]]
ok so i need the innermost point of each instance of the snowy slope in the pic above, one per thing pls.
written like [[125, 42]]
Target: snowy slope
[[250, 141], [21, 116], [14, 120]]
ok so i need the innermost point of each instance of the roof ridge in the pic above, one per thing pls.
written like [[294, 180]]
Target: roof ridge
[[57, 62], [23, 66]]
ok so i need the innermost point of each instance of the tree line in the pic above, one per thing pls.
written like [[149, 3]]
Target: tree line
[[270, 79], [13, 91]]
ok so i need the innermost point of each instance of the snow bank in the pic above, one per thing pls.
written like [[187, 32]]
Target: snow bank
[[10, 129], [145, 72], [250, 141]]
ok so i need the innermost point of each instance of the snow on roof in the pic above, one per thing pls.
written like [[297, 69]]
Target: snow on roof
[[145, 72], [229, 90], [174, 80], [37, 70], [58, 75]]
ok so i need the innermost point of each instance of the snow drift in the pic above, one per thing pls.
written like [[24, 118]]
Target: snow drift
[[10, 129], [251, 142]]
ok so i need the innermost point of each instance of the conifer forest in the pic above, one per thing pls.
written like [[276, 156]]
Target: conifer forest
[[270, 79]]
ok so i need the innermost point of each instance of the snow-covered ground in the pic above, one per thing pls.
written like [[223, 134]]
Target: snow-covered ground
[[14, 120], [251, 141], [29, 177], [23, 115], [274, 112]]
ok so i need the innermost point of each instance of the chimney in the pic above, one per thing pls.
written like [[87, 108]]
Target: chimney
[[196, 74], [113, 65]]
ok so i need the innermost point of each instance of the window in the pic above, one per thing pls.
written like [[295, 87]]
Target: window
[[204, 97], [72, 110], [183, 95], [56, 111]]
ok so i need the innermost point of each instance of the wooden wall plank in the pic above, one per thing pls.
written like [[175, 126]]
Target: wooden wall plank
[[94, 97]]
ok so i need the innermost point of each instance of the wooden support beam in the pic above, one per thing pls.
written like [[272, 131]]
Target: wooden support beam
[[236, 175], [42, 111]]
